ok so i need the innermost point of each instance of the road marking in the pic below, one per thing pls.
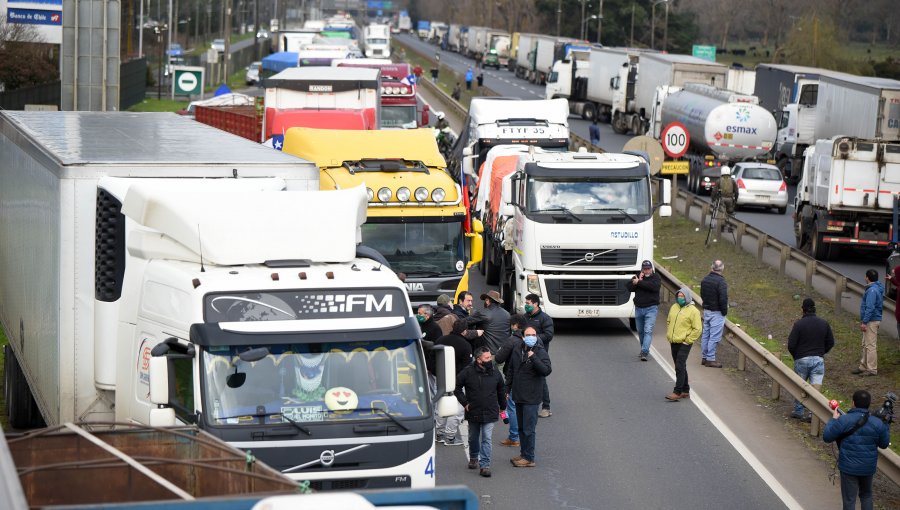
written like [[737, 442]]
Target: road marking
[[732, 438]]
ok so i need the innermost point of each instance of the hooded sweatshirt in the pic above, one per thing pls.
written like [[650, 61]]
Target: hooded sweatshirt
[[684, 323]]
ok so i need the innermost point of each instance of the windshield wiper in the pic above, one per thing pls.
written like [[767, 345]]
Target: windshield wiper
[[296, 425], [382, 411], [563, 209], [630, 217]]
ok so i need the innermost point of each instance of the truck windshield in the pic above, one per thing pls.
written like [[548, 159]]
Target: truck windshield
[[586, 198], [418, 248], [397, 116], [553, 77], [314, 383]]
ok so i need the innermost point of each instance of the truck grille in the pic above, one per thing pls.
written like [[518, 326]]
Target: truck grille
[[587, 292], [588, 257]]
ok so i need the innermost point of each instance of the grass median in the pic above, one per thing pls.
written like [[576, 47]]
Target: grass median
[[447, 77]]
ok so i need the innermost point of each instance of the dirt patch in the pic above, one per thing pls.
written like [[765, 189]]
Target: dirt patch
[[766, 304]]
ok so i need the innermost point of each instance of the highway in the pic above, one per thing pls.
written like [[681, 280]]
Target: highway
[[781, 227]]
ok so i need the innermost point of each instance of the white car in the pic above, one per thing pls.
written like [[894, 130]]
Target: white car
[[760, 184], [218, 45], [253, 69]]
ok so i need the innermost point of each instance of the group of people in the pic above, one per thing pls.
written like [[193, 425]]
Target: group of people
[[502, 364]]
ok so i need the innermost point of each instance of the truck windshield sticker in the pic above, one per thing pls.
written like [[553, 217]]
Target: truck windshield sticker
[[304, 413], [297, 304]]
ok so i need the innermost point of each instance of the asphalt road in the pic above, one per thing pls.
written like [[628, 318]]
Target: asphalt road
[[852, 264]]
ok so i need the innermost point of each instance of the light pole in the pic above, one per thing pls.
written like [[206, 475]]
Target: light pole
[[584, 22], [159, 29], [599, 21], [666, 30], [558, 15], [582, 19], [653, 21]]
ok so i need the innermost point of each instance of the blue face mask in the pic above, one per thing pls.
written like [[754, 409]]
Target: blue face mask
[[530, 341]]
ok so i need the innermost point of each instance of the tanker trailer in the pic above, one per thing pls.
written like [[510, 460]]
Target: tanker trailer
[[724, 127]]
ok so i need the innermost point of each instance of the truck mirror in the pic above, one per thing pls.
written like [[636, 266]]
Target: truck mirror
[[159, 380], [665, 211], [476, 248], [614, 83], [446, 371], [446, 406], [477, 226], [507, 210], [467, 151], [666, 192], [162, 417]]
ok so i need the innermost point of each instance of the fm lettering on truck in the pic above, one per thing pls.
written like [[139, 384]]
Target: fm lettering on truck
[[623, 235], [292, 305]]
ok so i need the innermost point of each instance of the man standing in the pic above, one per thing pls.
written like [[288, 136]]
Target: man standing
[[725, 190], [529, 365], [594, 131], [443, 314], [645, 286], [463, 306], [431, 331], [869, 322], [858, 436], [482, 393], [493, 320], [683, 328], [517, 324], [894, 278], [543, 324], [810, 339], [469, 77], [447, 429], [714, 293]]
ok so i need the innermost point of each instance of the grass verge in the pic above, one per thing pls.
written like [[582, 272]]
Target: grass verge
[[447, 77]]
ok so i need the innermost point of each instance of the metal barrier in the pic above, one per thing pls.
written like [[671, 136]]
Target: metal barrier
[[782, 377]]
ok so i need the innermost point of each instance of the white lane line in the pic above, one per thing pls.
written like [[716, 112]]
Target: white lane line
[[732, 438]]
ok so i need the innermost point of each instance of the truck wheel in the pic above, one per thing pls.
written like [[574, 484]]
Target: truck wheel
[[491, 272], [21, 407], [636, 126], [588, 113], [619, 124], [818, 248]]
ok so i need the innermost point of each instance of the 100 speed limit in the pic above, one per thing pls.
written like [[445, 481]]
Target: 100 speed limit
[[675, 140]]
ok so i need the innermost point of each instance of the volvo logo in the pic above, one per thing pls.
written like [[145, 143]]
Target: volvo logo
[[327, 458], [588, 257]]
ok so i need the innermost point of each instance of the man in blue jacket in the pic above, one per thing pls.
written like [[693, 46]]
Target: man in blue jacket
[[858, 435], [869, 321]]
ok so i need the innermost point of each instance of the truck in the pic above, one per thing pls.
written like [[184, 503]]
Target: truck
[[188, 283], [437, 32], [724, 127], [475, 39], [422, 28], [322, 51], [574, 228], [377, 41], [455, 35], [325, 97], [741, 80], [416, 216], [404, 22], [845, 196], [292, 40], [536, 54], [587, 79], [399, 97], [496, 49], [656, 70]]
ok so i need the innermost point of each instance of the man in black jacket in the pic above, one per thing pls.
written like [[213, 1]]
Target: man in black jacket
[[529, 365], [714, 293], [493, 320], [517, 324], [543, 324], [482, 393], [447, 429], [810, 339], [463, 306], [645, 286]]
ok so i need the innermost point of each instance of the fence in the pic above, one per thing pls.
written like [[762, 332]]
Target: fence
[[132, 83], [43, 94]]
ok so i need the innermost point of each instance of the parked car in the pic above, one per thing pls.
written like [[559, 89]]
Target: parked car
[[253, 73], [262, 33], [175, 50], [761, 185], [218, 45]]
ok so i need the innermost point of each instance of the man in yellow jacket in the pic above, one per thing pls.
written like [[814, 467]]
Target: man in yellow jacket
[[683, 327]]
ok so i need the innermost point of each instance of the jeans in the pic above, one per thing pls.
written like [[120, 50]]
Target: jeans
[[527, 415], [713, 324], [645, 317], [680, 354], [480, 442], [812, 370], [513, 422], [851, 485]]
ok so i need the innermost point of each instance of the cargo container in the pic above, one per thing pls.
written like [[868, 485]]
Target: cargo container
[[243, 121]]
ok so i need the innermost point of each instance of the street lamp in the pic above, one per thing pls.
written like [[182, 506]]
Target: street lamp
[[599, 21], [653, 21], [584, 22]]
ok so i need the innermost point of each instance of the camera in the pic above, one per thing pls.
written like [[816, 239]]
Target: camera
[[504, 417], [886, 412]]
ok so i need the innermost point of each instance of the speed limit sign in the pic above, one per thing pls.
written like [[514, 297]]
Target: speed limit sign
[[675, 140]]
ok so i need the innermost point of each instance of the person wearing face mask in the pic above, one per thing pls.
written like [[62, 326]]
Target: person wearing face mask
[[529, 365], [517, 323], [684, 325], [543, 324], [482, 393]]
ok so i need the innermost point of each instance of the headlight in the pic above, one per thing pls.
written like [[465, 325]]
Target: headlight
[[438, 194], [403, 194], [421, 194], [404, 90], [383, 91], [370, 194], [534, 286], [384, 194], [706, 179]]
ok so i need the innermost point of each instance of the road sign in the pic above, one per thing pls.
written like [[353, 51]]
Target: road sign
[[187, 81], [675, 140], [675, 167], [212, 56], [651, 147], [705, 52]]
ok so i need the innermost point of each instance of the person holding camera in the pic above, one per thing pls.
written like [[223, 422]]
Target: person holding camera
[[529, 365], [858, 435], [645, 286], [482, 393]]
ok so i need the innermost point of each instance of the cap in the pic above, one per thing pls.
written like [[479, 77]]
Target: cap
[[443, 299], [646, 264]]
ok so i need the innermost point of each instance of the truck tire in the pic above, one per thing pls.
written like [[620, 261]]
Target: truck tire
[[619, 124], [636, 126], [507, 293], [818, 249], [588, 113], [21, 408], [491, 271]]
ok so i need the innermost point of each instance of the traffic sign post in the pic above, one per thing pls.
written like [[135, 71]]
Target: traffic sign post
[[675, 140], [187, 81]]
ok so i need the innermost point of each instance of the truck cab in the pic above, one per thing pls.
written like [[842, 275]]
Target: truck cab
[[796, 127], [399, 93]]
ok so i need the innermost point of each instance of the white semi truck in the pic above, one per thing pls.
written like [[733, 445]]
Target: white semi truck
[[147, 280], [377, 41], [845, 196], [589, 80], [574, 228], [724, 127]]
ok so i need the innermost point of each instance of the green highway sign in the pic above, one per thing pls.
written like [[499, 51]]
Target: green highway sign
[[705, 52], [187, 81]]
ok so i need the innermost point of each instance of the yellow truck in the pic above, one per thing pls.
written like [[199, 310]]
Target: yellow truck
[[416, 215]]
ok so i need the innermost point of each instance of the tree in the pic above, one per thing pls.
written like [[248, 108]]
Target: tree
[[24, 57], [816, 42]]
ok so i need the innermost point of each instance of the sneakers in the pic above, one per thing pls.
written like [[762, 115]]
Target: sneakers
[[523, 463], [703, 362], [439, 439], [545, 413], [509, 442], [673, 397], [485, 472], [644, 355], [473, 463], [453, 441]]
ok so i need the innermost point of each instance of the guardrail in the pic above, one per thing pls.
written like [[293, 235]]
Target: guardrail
[[782, 376]]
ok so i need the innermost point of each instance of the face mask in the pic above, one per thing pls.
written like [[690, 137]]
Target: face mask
[[487, 365], [529, 308], [530, 341], [681, 301], [420, 318]]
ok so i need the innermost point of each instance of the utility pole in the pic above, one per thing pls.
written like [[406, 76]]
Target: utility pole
[[631, 44], [227, 56], [653, 25], [599, 21], [666, 30], [558, 14], [582, 20]]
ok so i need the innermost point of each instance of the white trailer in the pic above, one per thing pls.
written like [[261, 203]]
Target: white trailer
[[525, 54], [455, 37], [741, 80], [588, 80], [475, 39], [858, 106]]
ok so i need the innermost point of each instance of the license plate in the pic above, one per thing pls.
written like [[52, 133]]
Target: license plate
[[590, 312], [764, 197]]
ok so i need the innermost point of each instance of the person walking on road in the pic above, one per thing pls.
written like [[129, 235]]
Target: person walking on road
[[858, 436], [810, 339], [482, 393], [714, 293], [594, 131], [683, 327], [869, 322], [517, 324], [447, 428], [469, 77], [645, 286], [493, 320], [530, 364], [543, 324]]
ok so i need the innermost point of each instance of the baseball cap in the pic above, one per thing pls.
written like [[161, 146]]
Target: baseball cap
[[645, 264]]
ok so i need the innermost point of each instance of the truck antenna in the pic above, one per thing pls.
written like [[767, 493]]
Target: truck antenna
[[200, 244]]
